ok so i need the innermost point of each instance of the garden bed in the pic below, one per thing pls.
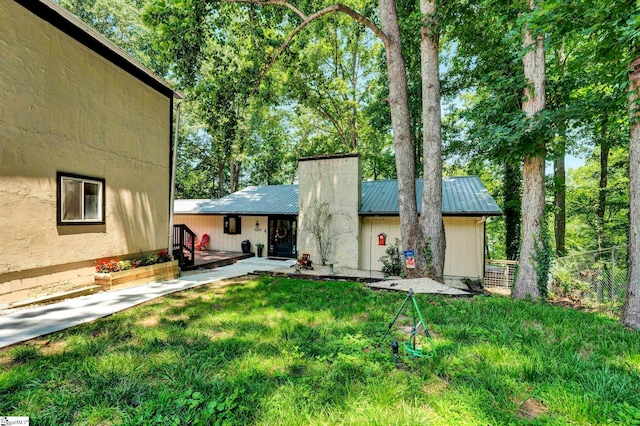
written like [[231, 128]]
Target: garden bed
[[137, 276]]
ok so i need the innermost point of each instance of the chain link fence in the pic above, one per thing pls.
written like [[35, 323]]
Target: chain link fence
[[597, 279]]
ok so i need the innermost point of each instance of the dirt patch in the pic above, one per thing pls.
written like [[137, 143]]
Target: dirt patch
[[532, 409], [179, 319], [499, 291], [533, 325], [150, 321], [217, 335], [585, 351], [53, 348], [5, 359], [437, 387]]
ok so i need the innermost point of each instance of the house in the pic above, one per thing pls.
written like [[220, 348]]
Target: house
[[331, 203], [85, 152]]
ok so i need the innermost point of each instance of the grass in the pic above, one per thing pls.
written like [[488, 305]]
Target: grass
[[274, 351]]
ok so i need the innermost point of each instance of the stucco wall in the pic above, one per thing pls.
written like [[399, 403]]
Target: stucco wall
[[212, 225], [330, 185], [65, 108], [464, 255]]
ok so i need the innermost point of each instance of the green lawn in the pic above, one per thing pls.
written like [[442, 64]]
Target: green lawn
[[274, 351]]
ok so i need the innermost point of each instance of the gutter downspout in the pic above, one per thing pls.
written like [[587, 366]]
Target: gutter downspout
[[172, 189], [483, 221], [371, 240]]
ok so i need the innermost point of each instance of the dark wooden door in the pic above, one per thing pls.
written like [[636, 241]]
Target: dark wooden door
[[282, 236]]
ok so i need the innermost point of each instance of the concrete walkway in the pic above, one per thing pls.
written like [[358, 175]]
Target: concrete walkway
[[28, 323]]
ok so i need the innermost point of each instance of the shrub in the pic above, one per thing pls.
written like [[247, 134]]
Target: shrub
[[163, 256], [108, 265], [114, 265], [392, 261]]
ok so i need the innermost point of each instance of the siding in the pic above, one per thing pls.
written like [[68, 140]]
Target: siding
[[212, 225], [464, 254]]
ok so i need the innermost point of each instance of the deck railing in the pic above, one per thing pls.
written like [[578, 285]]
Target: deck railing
[[184, 245]]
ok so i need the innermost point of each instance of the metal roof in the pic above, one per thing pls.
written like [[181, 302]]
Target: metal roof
[[461, 196], [253, 200]]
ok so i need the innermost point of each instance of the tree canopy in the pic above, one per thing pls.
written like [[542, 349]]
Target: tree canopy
[[270, 81]]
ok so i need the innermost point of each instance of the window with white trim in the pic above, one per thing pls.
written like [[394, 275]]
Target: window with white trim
[[80, 200]]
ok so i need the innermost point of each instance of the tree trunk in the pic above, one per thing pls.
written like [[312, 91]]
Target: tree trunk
[[631, 311], [220, 171], [234, 179], [431, 217], [512, 190], [410, 232], [560, 193], [532, 172], [559, 170], [602, 193]]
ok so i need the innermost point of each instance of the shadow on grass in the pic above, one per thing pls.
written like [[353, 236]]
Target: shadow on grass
[[275, 351]]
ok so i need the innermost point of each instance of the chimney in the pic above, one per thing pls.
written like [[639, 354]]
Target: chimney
[[330, 195]]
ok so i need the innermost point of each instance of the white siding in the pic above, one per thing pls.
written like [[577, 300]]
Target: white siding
[[212, 225], [464, 255]]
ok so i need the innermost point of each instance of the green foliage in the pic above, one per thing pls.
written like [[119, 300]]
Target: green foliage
[[428, 253], [278, 351], [123, 265], [24, 353], [146, 260], [583, 229], [628, 414], [543, 257], [564, 285], [392, 260], [114, 265], [192, 409]]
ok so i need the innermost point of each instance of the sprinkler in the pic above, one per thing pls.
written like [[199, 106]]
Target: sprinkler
[[410, 346]]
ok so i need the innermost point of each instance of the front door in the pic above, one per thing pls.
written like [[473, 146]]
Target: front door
[[282, 236]]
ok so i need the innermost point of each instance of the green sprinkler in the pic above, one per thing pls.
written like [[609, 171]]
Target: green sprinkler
[[418, 321]]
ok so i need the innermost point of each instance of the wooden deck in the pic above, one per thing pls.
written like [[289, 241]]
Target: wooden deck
[[209, 259]]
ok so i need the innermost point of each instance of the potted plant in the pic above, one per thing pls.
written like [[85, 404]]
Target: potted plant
[[259, 248]]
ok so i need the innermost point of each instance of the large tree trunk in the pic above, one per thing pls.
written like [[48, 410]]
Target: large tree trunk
[[410, 232], [431, 217], [234, 179], [560, 194], [559, 171], [631, 311], [604, 175], [532, 172], [512, 189]]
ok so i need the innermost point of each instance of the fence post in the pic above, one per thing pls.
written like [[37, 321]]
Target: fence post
[[613, 275]]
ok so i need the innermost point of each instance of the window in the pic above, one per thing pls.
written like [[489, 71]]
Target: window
[[232, 225], [80, 200]]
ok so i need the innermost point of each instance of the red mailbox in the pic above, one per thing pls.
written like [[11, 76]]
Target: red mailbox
[[382, 239]]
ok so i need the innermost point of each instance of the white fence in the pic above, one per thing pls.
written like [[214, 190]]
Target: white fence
[[499, 273]]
